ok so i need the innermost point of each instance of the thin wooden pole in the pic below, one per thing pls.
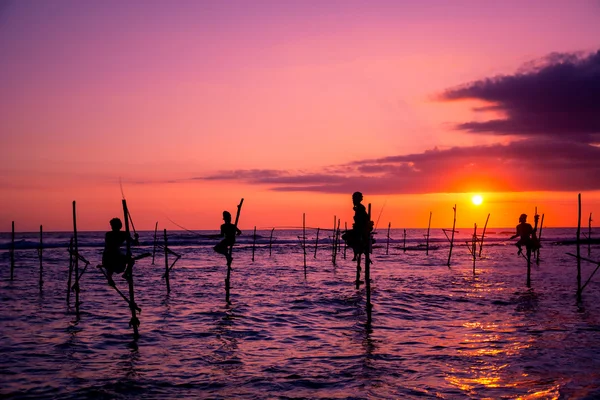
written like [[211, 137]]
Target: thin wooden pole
[[483, 235], [76, 259], [12, 252], [304, 239], [578, 247], [387, 247], [358, 270], [271, 241], [428, 230], [452, 240], [537, 253], [474, 246], [404, 241], [154, 247], [40, 255], [368, 271], [337, 237], [345, 242], [70, 272], [167, 262], [590, 235], [317, 242], [253, 243], [134, 322], [230, 258], [333, 249]]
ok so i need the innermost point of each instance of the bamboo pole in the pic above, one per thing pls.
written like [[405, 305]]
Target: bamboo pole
[[304, 239], [76, 259], [368, 271], [578, 247], [590, 235], [387, 247], [428, 230], [154, 246], [474, 246], [317, 242], [253, 243], [70, 272], [537, 253], [167, 262], [12, 252], [134, 322], [452, 240], [404, 241], [40, 257], [483, 235], [230, 258], [271, 241]]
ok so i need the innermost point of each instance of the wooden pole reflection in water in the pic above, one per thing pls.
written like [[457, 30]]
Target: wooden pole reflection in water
[[271, 241], [70, 272]]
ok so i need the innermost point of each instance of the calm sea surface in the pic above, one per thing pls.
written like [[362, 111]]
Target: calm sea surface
[[437, 332]]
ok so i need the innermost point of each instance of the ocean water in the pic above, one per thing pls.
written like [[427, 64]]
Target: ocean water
[[437, 332]]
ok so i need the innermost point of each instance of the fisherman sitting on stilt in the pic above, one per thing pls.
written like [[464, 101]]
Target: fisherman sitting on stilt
[[358, 237], [527, 234], [113, 260], [228, 233]]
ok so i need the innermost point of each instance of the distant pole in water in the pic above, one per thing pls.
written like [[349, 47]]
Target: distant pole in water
[[230, 252], [452, 240], [76, 259], [154, 246], [337, 237], [40, 257], [167, 262], [537, 253], [134, 322], [529, 249], [70, 272], [578, 247], [404, 241], [428, 230], [304, 239], [12, 252], [483, 235], [474, 246], [590, 235], [317, 242], [358, 269], [271, 241], [333, 249], [253, 243], [345, 243], [368, 272], [387, 247]]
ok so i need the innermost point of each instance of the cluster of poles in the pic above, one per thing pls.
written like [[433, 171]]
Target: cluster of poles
[[76, 272]]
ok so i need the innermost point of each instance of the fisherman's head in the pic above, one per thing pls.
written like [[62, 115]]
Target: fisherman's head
[[523, 218], [116, 224], [357, 197], [226, 216]]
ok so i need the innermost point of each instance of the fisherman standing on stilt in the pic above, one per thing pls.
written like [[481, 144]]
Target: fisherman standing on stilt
[[112, 258], [527, 234], [358, 237], [228, 232]]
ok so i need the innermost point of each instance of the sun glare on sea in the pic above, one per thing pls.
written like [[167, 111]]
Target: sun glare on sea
[[477, 199]]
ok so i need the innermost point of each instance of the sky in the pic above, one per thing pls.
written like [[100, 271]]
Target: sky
[[185, 107]]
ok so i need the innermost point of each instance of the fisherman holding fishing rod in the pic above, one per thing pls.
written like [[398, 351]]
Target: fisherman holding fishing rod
[[228, 232], [112, 258], [358, 237], [527, 234]]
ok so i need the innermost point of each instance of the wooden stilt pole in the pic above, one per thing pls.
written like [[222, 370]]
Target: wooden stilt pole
[[167, 262], [12, 252], [428, 230], [154, 246], [358, 270], [537, 253], [483, 235], [271, 241], [404, 247], [368, 271], [134, 322], [345, 243], [333, 248], [41, 258], [253, 243], [70, 272], [317, 242], [474, 246], [452, 240], [230, 258], [338, 236], [387, 247], [590, 235], [579, 247], [76, 259], [304, 239]]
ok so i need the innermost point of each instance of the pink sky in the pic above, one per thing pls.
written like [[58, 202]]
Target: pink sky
[[159, 93]]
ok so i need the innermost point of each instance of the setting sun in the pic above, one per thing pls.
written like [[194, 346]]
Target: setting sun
[[477, 199]]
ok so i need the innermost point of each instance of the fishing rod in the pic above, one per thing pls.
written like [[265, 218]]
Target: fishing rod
[[190, 231], [128, 213], [380, 212]]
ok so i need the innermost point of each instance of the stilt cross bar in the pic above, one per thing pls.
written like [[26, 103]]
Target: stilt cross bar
[[590, 261]]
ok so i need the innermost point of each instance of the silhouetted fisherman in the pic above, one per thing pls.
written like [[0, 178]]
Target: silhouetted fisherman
[[358, 237], [527, 234], [113, 260], [228, 232]]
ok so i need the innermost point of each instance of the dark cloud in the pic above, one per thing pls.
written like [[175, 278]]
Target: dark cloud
[[558, 97], [519, 166]]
